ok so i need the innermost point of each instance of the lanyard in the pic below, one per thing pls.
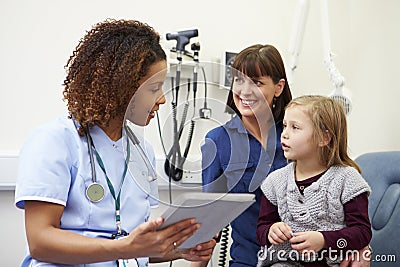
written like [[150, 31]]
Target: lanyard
[[117, 198]]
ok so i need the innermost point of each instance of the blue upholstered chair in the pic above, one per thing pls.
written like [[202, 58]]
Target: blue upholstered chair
[[382, 172]]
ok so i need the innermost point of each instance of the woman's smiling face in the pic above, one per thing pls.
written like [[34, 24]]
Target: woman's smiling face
[[253, 96]]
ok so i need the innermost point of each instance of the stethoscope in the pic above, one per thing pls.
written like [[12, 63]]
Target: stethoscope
[[95, 191]]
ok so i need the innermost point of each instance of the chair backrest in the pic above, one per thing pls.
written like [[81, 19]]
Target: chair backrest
[[382, 172]]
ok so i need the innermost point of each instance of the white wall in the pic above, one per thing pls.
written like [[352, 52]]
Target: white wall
[[37, 37]]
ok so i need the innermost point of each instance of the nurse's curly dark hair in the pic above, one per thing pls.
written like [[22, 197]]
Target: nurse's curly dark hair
[[103, 72]]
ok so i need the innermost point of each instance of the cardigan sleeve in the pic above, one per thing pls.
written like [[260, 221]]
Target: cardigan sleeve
[[357, 232], [268, 187], [353, 184]]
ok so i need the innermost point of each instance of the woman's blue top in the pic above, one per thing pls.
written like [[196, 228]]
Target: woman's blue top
[[234, 161]]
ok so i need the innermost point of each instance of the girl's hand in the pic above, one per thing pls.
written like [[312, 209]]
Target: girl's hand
[[307, 241], [279, 232], [147, 241]]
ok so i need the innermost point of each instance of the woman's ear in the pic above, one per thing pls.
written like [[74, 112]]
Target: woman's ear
[[326, 139], [279, 87]]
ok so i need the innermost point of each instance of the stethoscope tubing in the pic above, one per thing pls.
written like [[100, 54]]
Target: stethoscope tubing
[[135, 141]]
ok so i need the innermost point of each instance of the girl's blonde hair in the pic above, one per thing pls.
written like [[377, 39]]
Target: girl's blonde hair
[[328, 117]]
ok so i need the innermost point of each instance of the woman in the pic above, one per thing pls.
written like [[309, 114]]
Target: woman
[[82, 207], [238, 155]]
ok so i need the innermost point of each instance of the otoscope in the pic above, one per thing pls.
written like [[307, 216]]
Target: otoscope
[[173, 163], [182, 39]]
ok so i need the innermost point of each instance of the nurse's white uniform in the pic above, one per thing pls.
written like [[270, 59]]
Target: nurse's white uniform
[[54, 166]]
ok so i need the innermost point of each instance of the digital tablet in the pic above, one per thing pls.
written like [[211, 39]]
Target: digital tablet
[[213, 211]]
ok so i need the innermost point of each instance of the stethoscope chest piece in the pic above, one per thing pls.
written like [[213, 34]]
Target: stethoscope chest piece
[[95, 192]]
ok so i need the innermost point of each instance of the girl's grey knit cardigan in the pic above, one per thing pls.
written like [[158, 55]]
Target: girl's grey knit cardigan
[[319, 209]]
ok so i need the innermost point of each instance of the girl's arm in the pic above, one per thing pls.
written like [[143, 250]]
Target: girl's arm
[[267, 217]]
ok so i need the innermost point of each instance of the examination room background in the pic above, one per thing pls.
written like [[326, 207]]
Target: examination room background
[[37, 37]]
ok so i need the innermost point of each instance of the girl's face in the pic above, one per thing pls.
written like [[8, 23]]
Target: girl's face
[[297, 136], [253, 97], [149, 95]]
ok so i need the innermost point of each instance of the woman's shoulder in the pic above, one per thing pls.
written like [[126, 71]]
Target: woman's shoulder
[[232, 127], [217, 133], [56, 133]]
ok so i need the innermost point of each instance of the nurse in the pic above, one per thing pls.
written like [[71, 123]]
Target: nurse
[[82, 206]]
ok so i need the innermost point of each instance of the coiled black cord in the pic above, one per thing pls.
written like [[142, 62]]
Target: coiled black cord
[[172, 165], [223, 247], [189, 141]]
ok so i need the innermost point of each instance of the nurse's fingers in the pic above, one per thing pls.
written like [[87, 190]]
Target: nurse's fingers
[[151, 226], [171, 233]]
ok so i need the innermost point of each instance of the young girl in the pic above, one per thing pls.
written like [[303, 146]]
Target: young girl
[[317, 206]]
